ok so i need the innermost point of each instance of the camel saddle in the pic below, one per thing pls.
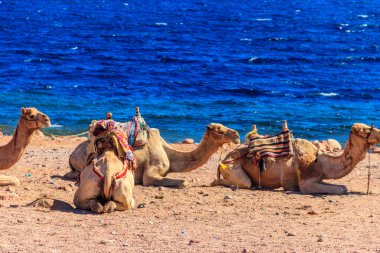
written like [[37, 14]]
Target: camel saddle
[[136, 130], [271, 147], [119, 140]]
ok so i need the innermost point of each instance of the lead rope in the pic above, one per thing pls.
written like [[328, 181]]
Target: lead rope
[[220, 158], [370, 150], [259, 179]]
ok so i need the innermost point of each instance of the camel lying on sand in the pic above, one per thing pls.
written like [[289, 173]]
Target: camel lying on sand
[[329, 145], [108, 179], [156, 158], [31, 120], [305, 170]]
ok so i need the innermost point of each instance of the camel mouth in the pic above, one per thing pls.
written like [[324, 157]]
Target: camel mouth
[[235, 138], [47, 123]]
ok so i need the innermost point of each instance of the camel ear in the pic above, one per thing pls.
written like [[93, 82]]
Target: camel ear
[[23, 111], [209, 127], [355, 128]]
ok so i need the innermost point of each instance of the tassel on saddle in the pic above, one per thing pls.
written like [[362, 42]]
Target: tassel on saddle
[[262, 165]]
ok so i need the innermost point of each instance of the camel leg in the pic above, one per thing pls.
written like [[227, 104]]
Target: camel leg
[[122, 205], [122, 197], [89, 204], [234, 174], [314, 186], [152, 177], [7, 180], [86, 196], [110, 206], [164, 181]]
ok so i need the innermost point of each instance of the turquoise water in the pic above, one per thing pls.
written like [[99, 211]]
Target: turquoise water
[[190, 63]]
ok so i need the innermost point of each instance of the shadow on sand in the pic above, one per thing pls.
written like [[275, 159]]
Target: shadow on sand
[[57, 205]]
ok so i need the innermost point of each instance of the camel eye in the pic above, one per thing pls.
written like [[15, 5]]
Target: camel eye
[[31, 116]]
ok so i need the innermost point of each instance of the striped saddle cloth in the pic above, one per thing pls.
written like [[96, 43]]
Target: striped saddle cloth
[[270, 146]]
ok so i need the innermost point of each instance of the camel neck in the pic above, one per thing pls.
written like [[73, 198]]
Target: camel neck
[[354, 152], [205, 149], [189, 161], [14, 149]]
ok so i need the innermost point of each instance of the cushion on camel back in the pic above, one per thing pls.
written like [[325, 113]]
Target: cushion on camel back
[[270, 146], [136, 129]]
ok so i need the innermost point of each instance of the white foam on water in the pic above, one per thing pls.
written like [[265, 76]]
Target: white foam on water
[[126, 4], [55, 126], [263, 19], [328, 94], [74, 48], [245, 39], [253, 59], [363, 16], [364, 25], [161, 23]]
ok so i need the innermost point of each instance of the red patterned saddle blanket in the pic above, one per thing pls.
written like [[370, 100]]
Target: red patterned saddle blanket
[[270, 146]]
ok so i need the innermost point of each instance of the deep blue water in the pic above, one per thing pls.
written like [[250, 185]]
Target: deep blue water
[[188, 63]]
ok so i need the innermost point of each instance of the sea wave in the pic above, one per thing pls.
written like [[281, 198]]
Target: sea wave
[[262, 19], [328, 94], [55, 126]]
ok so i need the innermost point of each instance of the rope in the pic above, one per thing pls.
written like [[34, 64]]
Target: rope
[[220, 158], [369, 168], [73, 135]]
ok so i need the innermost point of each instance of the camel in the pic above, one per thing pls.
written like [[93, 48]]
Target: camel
[[99, 181], [329, 145], [157, 159], [305, 170], [31, 120]]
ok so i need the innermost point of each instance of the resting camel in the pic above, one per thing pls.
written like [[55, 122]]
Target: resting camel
[[156, 159], [31, 120], [99, 181], [306, 170]]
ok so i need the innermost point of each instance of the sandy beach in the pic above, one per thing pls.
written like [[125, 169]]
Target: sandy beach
[[38, 216]]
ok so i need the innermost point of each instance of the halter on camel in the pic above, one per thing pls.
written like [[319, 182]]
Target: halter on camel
[[370, 150], [33, 119], [129, 161], [119, 143]]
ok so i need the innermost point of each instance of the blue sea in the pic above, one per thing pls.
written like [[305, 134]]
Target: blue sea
[[192, 62]]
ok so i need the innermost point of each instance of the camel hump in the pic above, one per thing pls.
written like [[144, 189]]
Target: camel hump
[[334, 145], [306, 152]]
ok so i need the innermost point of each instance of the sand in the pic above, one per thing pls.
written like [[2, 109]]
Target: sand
[[38, 216]]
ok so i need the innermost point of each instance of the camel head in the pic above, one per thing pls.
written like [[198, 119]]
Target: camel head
[[371, 134], [34, 119], [222, 134]]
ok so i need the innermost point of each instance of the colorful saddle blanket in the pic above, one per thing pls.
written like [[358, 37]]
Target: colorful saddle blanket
[[136, 130], [270, 146], [117, 137]]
